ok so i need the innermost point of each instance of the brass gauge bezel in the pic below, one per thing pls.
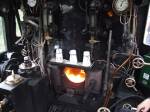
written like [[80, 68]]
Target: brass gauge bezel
[[119, 12]]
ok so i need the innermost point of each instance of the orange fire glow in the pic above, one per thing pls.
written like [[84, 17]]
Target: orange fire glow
[[75, 75]]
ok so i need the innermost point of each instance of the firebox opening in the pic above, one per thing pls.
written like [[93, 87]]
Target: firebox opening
[[75, 75]]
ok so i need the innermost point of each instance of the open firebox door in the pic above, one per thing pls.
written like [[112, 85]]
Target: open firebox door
[[75, 75]]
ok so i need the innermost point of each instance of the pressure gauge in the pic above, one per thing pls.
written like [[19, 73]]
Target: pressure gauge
[[31, 3], [121, 6]]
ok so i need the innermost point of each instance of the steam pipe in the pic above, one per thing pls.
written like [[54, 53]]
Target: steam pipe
[[94, 6], [93, 11], [108, 64]]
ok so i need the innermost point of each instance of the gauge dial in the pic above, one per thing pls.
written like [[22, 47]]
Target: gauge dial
[[120, 6], [31, 3]]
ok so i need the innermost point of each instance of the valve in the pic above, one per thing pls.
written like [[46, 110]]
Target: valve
[[130, 83], [138, 63], [103, 109], [13, 79], [129, 107]]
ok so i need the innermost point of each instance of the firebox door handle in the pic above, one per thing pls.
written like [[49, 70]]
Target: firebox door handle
[[89, 89]]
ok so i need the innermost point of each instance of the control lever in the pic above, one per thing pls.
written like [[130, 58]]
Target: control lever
[[92, 41], [134, 109], [89, 89], [138, 63]]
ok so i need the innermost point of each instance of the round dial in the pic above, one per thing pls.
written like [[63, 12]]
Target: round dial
[[121, 5], [31, 3]]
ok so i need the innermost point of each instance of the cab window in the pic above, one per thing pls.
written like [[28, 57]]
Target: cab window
[[18, 32], [3, 43]]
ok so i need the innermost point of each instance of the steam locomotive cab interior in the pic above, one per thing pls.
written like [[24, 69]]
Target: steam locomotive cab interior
[[74, 55]]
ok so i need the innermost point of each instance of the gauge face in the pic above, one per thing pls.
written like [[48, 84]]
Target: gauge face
[[31, 3], [121, 5]]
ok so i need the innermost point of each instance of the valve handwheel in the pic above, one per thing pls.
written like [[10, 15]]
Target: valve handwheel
[[138, 63], [103, 109], [130, 82], [127, 106]]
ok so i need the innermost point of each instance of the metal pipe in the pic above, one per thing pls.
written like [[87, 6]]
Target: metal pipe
[[107, 65]]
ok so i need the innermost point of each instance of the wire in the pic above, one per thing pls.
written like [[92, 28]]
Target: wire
[[79, 3], [104, 61]]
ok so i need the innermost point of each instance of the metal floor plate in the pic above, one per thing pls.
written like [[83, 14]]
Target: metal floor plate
[[63, 108]]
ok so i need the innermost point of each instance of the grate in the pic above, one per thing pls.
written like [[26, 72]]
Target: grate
[[62, 108]]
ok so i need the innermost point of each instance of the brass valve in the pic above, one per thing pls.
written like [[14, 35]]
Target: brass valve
[[13, 79]]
